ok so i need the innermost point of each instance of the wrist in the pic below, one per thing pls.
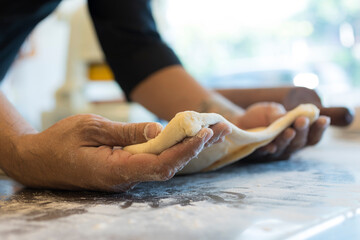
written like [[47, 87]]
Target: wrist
[[220, 105], [17, 158]]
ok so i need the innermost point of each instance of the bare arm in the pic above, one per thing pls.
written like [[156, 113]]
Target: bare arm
[[12, 126], [172, 90]]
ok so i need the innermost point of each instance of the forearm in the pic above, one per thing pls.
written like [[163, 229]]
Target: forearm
[[12, 126], [172, 90]]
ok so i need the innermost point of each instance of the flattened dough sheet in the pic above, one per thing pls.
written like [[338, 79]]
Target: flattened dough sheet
[[237, 145]]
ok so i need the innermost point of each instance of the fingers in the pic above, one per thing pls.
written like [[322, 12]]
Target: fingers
[[275, 111], [301, 126], [306, 134], [220, 130], [125, 134], [282, 142], [174, 159], [151, 167], [134, 133], [128, 169], [276, 148], [105, 132], [317, 130], [293, 139], [260, 115]]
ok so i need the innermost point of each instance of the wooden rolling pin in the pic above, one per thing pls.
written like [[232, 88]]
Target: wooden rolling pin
[[290, 97], [340, 116]]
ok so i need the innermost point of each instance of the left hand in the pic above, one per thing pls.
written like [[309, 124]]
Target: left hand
[[292, 139], [84, 152]]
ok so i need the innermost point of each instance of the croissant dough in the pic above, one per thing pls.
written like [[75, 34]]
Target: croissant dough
[[237, 145]]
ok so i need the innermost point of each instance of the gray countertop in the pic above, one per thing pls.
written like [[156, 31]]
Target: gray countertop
[[314, 195]]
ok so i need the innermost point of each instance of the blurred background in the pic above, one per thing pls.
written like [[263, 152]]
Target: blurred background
[[229, 43]]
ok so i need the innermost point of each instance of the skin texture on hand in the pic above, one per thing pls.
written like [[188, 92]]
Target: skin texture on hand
[[84, 152], [291, 140]]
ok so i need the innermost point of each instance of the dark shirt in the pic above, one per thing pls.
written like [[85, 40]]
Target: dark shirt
[[126, 30]]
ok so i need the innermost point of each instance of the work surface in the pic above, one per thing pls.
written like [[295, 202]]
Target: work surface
[[318, 191]]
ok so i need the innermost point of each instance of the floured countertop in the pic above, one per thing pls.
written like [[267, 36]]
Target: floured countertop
[[318, 187]]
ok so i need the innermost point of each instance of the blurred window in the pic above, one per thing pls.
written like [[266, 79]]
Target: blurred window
[[231, 43]]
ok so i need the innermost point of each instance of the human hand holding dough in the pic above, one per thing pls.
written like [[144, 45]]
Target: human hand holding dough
[[237, 145]]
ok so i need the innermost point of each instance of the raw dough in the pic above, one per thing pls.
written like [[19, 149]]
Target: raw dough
[[236, 146]]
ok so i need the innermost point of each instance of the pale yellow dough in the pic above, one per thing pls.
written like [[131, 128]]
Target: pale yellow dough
[[237, 145]]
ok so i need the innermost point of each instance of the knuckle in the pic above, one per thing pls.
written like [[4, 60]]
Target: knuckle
[[90, 124], [195, 152], [128, 133], [275, 105], [165, 173], [132, 132]]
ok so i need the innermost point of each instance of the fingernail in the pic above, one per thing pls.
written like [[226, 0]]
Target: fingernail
[[304, 125], [271, 148], [289, 134], [202, 134], [151, 130], [326, 122]]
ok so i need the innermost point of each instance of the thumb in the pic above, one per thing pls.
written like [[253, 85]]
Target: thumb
[[275, 111], [124, 134], [261, 115]]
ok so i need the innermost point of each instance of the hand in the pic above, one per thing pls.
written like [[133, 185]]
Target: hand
[[292, 139], [84, 152]]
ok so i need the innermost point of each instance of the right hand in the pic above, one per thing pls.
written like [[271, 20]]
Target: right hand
[[294, 138], [80, 152]]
